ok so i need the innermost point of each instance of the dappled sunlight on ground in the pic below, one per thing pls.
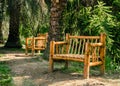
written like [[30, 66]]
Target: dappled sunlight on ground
[[33, 71]]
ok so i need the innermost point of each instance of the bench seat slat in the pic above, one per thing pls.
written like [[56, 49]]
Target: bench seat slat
[[78, 57], [72, 57]]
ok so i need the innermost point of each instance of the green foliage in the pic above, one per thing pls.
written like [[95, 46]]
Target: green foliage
[[34, 20], [73, 67], [116, 35], [77, 67], [70, 18], [4, 69], [116, 9], [1, 55], [29, 17], [94, 20], [91, 21], [111, 66], [101, 20], [115, 49], [116, 3], [5, 80], [5, 77]]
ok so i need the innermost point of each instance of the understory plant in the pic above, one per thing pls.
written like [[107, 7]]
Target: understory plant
[[34, 19], [80, 20], [5, 76]]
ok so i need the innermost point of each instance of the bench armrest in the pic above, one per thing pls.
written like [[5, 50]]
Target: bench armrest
[[60, 43], [93, 45], [28, 41], [57, 47], [96, 44], [95, 51]]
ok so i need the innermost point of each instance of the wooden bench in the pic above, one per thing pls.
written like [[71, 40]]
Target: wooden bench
[[87, 49], [36, 43]]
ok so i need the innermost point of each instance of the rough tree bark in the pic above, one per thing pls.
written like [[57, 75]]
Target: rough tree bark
[[1, 19], [1, 34], [13, 38], [55, 33]]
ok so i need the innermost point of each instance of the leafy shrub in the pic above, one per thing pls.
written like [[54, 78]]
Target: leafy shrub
[[81, 20]]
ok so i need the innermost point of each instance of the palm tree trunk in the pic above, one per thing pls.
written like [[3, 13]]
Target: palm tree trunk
[[13, 38], [1, 34], [1, 19], [55, 32]]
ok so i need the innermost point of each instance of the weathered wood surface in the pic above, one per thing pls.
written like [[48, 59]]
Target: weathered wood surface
[[36, 43], [87, 49]]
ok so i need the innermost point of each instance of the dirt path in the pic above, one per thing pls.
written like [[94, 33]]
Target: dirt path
[[33, 71]]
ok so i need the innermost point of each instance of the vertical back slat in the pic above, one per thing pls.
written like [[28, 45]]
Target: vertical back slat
[[92, 40], [96, 40], [79, 46], [83, 46], [92, 54], [57, 49], [88, 40], [68, 43], [98, 54], [69, 50], [63, 49], [76, 45], [72, 46]]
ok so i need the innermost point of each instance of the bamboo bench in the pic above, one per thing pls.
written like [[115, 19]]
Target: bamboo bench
[[87, 49], [36, 43]]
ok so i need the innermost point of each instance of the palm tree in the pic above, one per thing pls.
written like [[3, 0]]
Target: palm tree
[[55, 32], [14, 12], [34, 15], [1, 34], [2, 3]]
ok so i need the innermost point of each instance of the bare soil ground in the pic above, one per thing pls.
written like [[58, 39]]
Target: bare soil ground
[[33, 71]]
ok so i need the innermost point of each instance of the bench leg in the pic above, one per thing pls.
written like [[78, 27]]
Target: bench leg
[[102, 68], [86, 71], [26, 51], [32, 52], [86, 68], [51, 65], [66, 64]]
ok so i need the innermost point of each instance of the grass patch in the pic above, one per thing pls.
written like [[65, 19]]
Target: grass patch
[[73, 67], [5, 76], [4, 69], [111, 66], [1, 55]]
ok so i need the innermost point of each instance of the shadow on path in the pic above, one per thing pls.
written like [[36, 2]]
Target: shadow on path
[[33, 71]]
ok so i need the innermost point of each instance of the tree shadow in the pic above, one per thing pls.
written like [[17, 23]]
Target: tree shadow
[[34, 69]]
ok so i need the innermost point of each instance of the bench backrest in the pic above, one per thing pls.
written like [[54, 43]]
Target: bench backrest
[[77, 44], [37, 42], [41, 40]]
